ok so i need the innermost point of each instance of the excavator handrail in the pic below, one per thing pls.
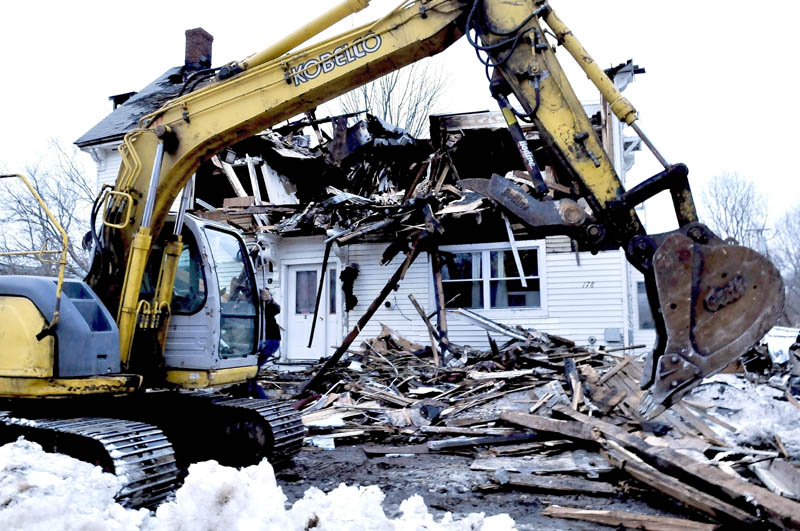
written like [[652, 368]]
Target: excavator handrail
[[43, 251]]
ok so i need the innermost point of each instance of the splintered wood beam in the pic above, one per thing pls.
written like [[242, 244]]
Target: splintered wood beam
[[441, 310], [319, 290], [398, 275], [432, 335]]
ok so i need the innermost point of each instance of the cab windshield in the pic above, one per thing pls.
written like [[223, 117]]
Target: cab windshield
[[236, 292]]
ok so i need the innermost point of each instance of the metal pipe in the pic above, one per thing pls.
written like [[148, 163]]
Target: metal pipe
[[185, 198], [651, 146], [151, 190], [301, 35]]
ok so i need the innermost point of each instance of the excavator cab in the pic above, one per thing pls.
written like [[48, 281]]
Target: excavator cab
[[214, 322]]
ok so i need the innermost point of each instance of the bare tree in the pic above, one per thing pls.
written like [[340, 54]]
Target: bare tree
[[735, 209], [404, 98], [786, 253], [68, 193]]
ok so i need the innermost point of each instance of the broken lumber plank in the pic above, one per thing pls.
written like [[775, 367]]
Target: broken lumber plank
[[468, 442], [614, 370], [778, 510], [576, 461], [471, 421], [483, 399], [538, 447], [605, 398], [442, 176], [573, 430], [540, 402], [376, 449], [466, 431], [683, 493], [627, 520], [556, 483], [504, 375], [515, 251]]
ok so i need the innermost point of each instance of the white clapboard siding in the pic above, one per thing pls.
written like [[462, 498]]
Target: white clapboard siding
[[401, 315], [573, 309], [108, 167], [581, 302]]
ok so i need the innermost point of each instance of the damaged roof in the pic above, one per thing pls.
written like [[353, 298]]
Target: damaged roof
[[126, 116]]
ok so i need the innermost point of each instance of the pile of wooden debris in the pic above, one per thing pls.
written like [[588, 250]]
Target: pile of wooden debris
[[539, 412]]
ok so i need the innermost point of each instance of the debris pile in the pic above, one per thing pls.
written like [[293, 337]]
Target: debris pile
[[540, 413], [369, 181]]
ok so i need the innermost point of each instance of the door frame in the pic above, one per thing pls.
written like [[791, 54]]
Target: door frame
[[333, 262]]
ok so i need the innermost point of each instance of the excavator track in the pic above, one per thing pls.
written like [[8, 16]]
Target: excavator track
[[284, 422], [137, 453], [234, 432], [159, 435]]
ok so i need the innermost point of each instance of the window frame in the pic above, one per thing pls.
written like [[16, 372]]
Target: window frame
[[247, 264], [485, 249], [639, 326]]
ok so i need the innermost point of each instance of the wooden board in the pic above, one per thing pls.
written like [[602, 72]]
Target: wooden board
[[574, 430], [578, 461], [629, 520], [778, 510], [560, 484]]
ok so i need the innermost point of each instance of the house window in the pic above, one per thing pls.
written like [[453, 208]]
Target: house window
[[331, 291], [488, 278], [646, 321], [462, 280], [506, 288]]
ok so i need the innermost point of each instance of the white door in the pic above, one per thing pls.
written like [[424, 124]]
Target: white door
[[302, 291]]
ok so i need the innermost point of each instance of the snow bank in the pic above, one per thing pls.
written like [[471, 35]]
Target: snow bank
[[40, 491], [50, 492], [756, 411]]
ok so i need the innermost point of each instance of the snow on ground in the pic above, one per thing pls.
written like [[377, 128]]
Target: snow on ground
[[754, 410], [52, 492]]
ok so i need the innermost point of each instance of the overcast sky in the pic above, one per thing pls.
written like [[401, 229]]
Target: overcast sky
[[719, 92]]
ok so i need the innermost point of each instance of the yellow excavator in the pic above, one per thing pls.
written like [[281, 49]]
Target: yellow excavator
[[149, 328]]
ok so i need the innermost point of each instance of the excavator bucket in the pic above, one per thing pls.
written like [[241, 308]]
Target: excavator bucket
[[717, 300]]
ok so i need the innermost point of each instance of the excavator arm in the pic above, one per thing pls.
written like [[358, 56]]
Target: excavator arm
[[722, 298]]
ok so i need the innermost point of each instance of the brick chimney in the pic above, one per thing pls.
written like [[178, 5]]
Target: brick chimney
[[198, 49]]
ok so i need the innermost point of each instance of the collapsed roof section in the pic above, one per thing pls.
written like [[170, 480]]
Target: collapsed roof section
[[366, 180]]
